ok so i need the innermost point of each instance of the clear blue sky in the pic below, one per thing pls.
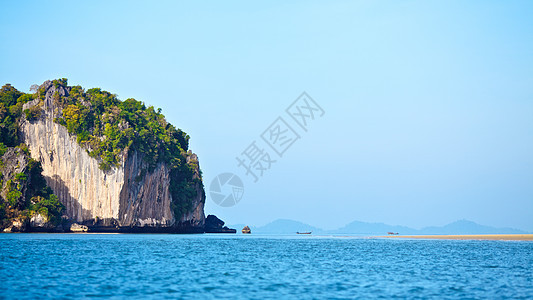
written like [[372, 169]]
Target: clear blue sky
[[429, 104]]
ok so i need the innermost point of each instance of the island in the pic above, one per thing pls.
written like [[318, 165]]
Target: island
[[83, 160]]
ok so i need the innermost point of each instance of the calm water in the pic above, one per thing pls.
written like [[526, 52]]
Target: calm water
[[237, 266]]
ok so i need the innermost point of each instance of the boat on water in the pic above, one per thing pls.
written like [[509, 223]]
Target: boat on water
[[246, 230], [306, 232]]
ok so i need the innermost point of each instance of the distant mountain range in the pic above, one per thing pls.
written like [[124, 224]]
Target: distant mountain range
[[280, 226], [284, 226]]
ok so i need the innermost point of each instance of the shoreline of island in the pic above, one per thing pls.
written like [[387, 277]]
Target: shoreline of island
[[493, 237]]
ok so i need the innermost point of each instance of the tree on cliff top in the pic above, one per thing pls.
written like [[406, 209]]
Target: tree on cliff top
[[11, 101]]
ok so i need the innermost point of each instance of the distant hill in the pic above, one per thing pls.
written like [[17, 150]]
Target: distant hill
[[358, 227], [457, 227], [467, 227], [285, 226]]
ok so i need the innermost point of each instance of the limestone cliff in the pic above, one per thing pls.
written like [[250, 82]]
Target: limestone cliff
[[26, 203], [129, 194]]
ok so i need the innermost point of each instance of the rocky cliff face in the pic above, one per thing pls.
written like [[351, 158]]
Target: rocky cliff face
[[29, 204], [14, 161], [123, 196]]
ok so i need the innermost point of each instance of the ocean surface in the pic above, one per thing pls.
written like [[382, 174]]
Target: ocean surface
[[156, 266]]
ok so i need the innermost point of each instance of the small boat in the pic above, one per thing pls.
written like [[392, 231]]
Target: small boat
[[307, 232], [246, 230], [392, 233]]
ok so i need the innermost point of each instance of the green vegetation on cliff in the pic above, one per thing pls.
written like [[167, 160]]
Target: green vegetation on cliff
[[28, 194], [108, 126], [23, 189], [11, 101]]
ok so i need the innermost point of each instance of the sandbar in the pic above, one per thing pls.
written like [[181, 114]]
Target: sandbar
[[502, 237]]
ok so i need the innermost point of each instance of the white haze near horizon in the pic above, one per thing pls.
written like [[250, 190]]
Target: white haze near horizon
[[428, 105]]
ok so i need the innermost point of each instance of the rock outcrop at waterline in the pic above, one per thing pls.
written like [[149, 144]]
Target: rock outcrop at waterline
[[131, 196], [215, 225]]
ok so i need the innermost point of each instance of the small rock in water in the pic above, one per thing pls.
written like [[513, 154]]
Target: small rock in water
[[78, 228], [215, 225]]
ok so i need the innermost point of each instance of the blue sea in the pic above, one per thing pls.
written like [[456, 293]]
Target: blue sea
[[158, 266]]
